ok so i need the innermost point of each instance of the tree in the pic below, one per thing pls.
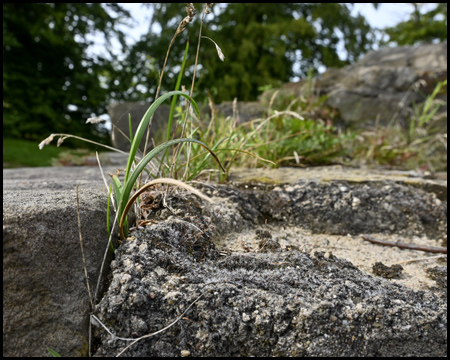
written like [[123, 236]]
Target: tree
[[261, 43], [50, 83], [428, 27]]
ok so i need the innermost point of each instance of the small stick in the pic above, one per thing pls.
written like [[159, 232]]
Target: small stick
[[159, 331], [82, 250], [432, 249], [421, 259]]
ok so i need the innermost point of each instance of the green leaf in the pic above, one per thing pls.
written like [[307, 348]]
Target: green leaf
[[144, 124], [53, 352], [128, 185]]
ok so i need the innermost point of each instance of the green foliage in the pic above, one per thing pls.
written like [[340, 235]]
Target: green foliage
[[53, 353], [279, 139], [50, 83], [122, 192], [22, 153], [420, 28], [260, 41], [420, 146]]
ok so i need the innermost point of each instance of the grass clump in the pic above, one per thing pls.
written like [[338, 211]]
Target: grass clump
[[303, 134], [422, 145], [134, 169]]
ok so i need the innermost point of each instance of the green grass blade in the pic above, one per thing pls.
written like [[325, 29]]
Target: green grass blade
[[177, 87], [118, 190], [144, 124], [118, 195], [128, 186], [131, 128], [53, 353], [107, 218]]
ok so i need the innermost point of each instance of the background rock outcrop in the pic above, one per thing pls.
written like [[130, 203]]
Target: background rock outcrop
[[380, 88]]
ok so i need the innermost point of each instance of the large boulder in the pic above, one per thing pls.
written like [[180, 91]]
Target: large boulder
[[45, 299], [382, 87], [271, 255]]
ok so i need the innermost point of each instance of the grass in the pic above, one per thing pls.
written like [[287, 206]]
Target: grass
[[303, 135], [22, 153], [423, 145], [134, 168]]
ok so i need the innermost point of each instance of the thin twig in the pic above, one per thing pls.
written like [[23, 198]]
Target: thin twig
[[104, 180], [160, 331], [82, 250], [106, 252], [422, 259], [431, 249]]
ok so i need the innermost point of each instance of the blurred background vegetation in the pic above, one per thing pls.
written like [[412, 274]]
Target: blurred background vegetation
[[52, 83]]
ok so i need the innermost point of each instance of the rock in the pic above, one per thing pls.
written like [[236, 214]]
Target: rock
[[380, 86], [282, 302], [45, 300], [277, 303], [301, 293], [245, 110], [387, 272], [118, 112], [268, 178]]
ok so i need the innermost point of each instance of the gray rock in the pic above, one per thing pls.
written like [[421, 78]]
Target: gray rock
[[45, 300], [244, 111], [276, 302], [379, 86], [118, 112]]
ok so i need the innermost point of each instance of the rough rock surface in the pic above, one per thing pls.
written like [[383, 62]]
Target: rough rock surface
[[45, 301], [196, 244], [273, 296]]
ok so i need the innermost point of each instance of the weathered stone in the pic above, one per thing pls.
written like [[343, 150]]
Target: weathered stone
[[45, 300], [118, 112], [212, 250], [380, 86], [272, 177], [244, 111], [278, 302]]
